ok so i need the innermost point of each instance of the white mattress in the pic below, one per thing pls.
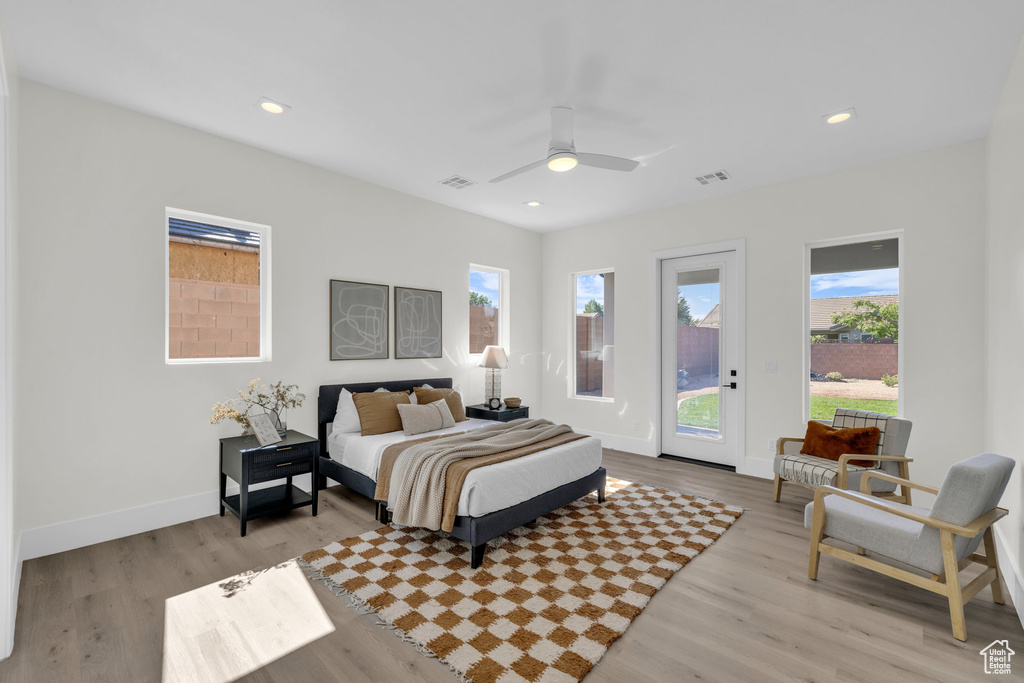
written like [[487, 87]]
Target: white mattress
[[486, 489]]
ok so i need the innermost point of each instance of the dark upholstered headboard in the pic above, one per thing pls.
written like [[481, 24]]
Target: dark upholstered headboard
[[327, 402]]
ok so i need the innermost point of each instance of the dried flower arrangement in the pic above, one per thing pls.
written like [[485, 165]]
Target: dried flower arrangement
[[272, 399]]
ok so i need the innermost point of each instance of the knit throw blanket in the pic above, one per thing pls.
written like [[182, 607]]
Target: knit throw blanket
[[417, 486]]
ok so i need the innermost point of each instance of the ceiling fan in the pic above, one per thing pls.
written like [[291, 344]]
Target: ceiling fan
[[562, 154]]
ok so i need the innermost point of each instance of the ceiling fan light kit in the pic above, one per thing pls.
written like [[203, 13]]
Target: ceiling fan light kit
[[560, 162], [562, 154]]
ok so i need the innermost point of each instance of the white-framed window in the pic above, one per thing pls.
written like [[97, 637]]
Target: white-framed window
[[593, 334], [488, 308], [218, 289], [856, 285]]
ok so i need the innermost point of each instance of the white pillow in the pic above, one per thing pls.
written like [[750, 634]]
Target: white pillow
[[429, 418], [346, 420]]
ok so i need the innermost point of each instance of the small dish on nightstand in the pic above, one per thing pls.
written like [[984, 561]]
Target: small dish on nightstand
[[513, 402]]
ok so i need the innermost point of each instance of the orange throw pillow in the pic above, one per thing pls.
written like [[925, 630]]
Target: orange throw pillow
[[828, 442]]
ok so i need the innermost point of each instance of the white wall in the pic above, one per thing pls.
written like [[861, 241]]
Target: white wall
[[103, 424], [10, 566], [1005, 297], [937, 198]]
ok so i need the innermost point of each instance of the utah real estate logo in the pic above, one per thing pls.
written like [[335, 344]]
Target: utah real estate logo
[[997, 657]]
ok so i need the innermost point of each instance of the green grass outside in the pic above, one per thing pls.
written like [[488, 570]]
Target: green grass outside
[[699, 411], [702, 411], [824, 407]]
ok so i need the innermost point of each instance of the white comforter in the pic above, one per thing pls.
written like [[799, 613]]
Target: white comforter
[[487, 489]]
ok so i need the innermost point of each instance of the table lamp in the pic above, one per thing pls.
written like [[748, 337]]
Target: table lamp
[[495, 360]]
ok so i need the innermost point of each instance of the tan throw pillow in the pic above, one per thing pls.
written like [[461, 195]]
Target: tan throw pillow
[[417, 419], [378, 411], [451, 397], [347, 419], [412, 396]]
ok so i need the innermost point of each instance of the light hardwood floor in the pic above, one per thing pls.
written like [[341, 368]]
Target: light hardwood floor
[[744, 610]]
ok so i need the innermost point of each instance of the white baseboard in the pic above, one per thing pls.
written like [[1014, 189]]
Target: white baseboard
[[1011, 575], [757, 467], [7, 644], [78, 533], [15, 589], [628, 444]]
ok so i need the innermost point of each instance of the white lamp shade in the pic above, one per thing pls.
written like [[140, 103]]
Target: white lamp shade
[[494, 357]]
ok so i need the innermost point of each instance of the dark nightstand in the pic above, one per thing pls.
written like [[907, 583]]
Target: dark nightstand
[[244, 460], [502, 414]]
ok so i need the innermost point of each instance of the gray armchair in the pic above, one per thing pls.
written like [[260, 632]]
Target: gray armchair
[[811, 471], [940, 541]]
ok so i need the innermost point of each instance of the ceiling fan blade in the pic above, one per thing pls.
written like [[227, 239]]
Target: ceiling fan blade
[[609, 162], [561, 128], [516, 172]]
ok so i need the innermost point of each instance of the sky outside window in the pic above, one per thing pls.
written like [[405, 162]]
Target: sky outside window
[[485, 284], [856, 283], [701, 299], [589, 287]]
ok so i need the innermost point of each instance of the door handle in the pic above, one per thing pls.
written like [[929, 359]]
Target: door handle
[[730, 385]]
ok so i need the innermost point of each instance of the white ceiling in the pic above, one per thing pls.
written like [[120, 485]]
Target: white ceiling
[[407, 93]]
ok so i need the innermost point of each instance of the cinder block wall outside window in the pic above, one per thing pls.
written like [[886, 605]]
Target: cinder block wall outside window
[[214, 302]]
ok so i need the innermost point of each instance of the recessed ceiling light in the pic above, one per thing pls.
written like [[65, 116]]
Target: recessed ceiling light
[[840, 116], [533, 202], [270, 106]]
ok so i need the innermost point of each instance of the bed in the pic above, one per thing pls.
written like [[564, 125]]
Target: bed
[[500, 498]]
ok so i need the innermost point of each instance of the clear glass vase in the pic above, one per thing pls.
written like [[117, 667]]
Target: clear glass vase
[[280, 420]]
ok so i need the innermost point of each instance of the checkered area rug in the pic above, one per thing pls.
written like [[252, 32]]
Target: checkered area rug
[[551, 596]]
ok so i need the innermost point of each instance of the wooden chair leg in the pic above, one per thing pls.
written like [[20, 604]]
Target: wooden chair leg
[[817, 535], [990, 560], [953, 592], [904, 469], [777, 490]]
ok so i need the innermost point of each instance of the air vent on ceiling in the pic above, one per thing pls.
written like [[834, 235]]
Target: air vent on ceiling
[[713, 177], [457, 182]]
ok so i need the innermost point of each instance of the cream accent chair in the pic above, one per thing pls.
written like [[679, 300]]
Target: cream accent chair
[[810, 471], [940, 541]]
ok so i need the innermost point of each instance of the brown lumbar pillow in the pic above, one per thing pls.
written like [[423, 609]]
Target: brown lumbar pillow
[[828, 442], [378, 411], [450, 396]]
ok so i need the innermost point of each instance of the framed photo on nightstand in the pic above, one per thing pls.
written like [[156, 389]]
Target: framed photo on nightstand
[[264, 429]]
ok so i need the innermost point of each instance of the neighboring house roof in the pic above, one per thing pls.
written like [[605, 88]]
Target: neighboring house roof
[[711, 319], [822, 309]]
